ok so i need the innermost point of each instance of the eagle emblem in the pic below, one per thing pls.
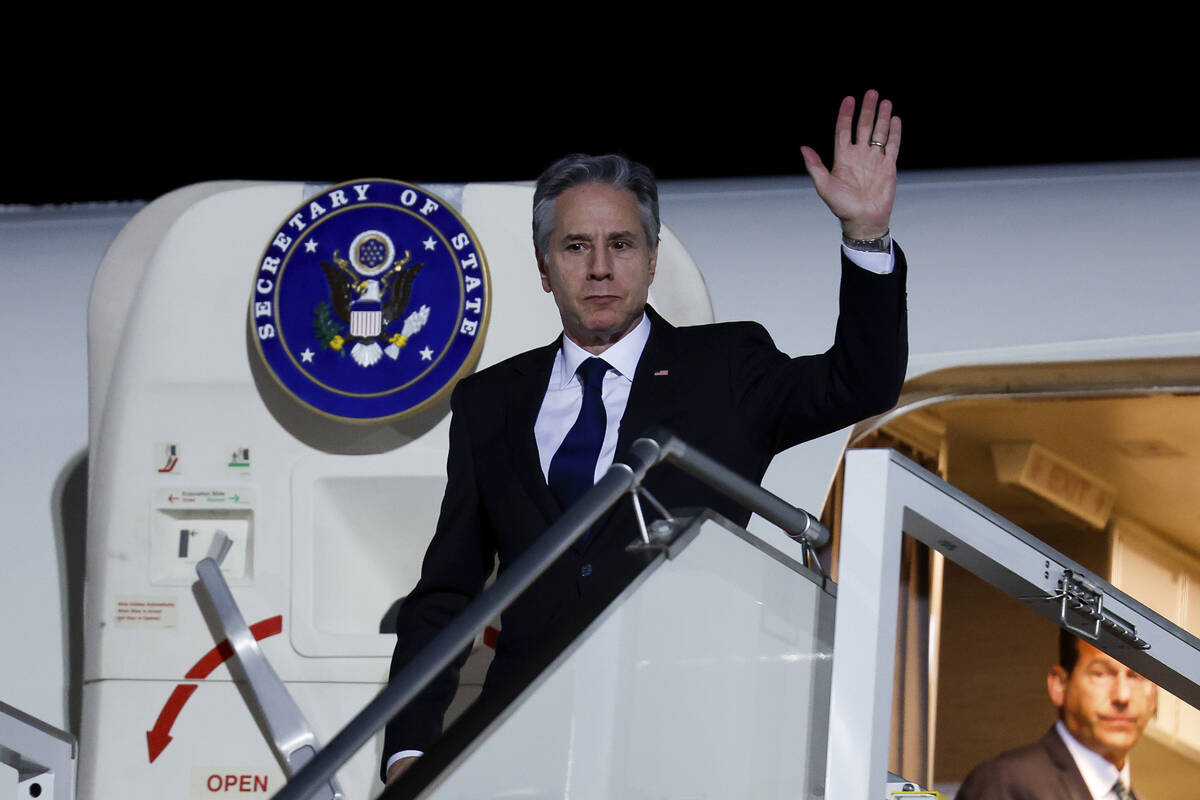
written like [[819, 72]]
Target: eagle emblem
[[369, 292]]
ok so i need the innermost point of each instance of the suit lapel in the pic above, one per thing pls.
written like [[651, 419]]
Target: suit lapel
[[653, 393], [1073, 786], [525, 394]]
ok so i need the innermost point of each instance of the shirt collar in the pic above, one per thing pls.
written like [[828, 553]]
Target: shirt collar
[[622, 356], [1098, 772]]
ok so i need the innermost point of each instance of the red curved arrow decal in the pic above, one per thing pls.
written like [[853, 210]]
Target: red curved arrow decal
[[158, 737], [215, 657]]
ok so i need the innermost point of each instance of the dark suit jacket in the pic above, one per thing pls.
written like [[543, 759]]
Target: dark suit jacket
[[726, 390], [1043, 770]]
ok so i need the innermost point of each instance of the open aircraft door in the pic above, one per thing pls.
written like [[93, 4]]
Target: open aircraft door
[[196, 435]]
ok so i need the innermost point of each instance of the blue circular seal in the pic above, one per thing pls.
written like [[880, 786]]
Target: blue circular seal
[[371, 300]]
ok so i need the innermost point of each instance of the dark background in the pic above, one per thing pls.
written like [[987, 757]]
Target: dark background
[[125, 135]]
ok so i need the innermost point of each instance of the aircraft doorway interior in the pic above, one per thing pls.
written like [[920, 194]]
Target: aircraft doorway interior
[[1101, 462]]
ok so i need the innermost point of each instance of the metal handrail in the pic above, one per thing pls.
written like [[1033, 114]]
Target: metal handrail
[[794, 521], [620, 479], [287, 731], [42, 756]]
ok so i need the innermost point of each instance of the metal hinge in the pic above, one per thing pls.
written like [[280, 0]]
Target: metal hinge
[[1086, 599]]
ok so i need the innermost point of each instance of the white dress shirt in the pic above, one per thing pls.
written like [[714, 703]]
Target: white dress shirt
[[1098, 772], [564, 395]]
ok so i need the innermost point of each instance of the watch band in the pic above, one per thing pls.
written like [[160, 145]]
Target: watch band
[[881, 245]]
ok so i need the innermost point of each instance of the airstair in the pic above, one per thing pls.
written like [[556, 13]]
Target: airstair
[[727, 665], [730, 666]]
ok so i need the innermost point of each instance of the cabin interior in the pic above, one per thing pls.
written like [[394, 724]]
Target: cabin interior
[[1124, 442]]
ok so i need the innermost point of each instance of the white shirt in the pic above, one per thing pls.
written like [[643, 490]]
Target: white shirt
[[564, 392], [1098, 772], [564, 395]]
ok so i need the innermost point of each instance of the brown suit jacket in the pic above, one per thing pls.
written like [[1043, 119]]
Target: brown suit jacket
[[1043, 770]]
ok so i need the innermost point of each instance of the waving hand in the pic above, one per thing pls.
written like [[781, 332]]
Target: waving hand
[[861, 187]]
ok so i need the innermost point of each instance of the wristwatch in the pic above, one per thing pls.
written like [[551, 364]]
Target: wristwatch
[[881, 245]]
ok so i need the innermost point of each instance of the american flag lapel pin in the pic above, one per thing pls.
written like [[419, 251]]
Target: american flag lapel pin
[[660, 373]]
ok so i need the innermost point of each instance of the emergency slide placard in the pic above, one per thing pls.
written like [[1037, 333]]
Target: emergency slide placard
[[145, 611]]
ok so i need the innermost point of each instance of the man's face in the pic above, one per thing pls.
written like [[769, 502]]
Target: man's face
[[1103, 703], [598, 264]]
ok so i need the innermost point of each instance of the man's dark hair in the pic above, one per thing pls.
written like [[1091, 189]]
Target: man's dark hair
[[1068, 650], [578, 169]]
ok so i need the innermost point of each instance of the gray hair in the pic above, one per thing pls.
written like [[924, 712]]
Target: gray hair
[[578, 169]]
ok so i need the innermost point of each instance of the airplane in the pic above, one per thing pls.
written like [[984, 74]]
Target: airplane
[[1052, 316]]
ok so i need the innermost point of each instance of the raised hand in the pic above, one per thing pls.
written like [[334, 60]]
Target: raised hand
[[861, 188]]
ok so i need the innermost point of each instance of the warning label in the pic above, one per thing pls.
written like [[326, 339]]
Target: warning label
[[240, 781], [146, 612]]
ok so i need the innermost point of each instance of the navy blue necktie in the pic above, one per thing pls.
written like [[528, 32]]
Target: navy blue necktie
[[573, 468]]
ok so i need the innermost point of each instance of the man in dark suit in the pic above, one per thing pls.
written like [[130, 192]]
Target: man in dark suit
[[530, 434], [1103, 707]]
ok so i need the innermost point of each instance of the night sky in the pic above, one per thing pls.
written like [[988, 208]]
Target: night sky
[[131, 142]]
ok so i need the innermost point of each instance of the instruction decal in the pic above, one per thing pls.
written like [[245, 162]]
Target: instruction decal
[[158, 737], [136, 611]]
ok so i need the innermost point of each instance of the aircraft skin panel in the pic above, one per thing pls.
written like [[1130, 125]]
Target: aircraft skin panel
[[999, 258], [211, 733], [47, 261], [129, 255], [164, 377]]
